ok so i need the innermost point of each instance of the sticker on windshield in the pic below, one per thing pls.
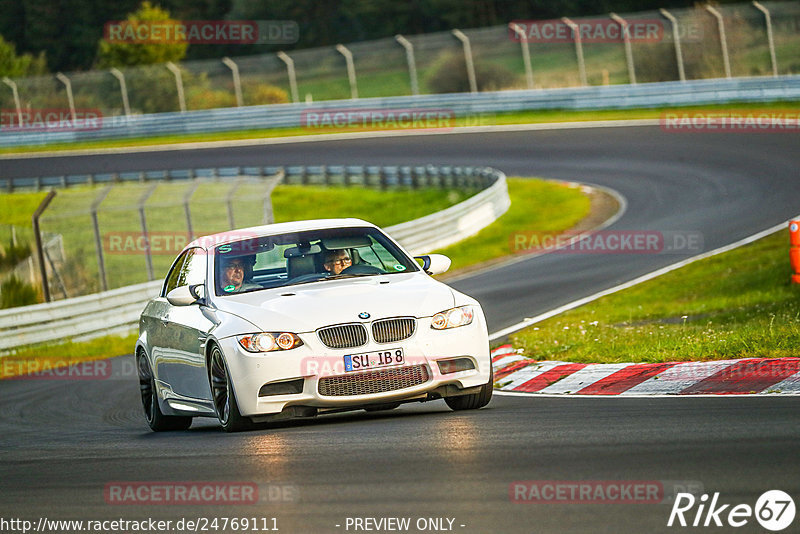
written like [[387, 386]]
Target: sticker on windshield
[[229, 288], [399, 267], [224, 249]]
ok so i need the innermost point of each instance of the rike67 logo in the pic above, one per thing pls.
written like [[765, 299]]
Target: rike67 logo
[[774, 511]]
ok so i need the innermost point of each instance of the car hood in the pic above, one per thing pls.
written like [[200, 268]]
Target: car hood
[[306, 307]]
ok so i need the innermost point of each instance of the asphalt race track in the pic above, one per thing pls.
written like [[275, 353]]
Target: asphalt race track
[[65, 440]]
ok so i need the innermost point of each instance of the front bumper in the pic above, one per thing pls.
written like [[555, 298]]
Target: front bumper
[[314, 362]]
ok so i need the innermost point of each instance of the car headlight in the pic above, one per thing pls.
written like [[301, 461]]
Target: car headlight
[[269, 341], [453, 318]]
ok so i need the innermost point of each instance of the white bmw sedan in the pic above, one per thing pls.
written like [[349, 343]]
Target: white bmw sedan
[[304, 318]]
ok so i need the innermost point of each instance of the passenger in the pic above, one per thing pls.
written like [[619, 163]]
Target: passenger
[[336, 261]]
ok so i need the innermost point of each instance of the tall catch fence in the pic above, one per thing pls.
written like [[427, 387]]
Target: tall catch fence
[[730, 40]]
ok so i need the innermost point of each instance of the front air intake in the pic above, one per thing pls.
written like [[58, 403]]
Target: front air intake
[[371, 382]]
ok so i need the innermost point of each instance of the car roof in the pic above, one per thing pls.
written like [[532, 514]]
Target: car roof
[[209, 242]]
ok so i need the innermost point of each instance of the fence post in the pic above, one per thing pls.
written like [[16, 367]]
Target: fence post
[[351, 69], [283, 56], [272, 182], [237, 83], [412, 64], [623, 24], [123, 88], [98, 241], [187, 197], [770, 38], [13, 86], [229, 202], [382, 178], [676, 36], [473, 84], [526, 56], [578, 48], [37, 234], [143, 219], [726, 62], [178, 84], [68, 85]]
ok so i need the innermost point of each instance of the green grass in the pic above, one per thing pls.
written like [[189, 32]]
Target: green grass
[[33, 359], [524, 117], [383, 208], [536, 205], [739, 304]]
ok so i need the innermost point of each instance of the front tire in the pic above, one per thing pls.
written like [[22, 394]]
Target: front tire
[[223, 396], [474, 400], [152, 411]]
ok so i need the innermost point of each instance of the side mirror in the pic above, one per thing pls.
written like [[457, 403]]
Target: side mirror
[[185, 295], [434, 263]]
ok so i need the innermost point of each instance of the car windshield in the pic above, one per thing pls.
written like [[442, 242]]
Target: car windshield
[[302, 257]]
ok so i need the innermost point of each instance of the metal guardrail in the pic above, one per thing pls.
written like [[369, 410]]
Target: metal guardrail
[[383, 177], [661, 94], [118, 310]]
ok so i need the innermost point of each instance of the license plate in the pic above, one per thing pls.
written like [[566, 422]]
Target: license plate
[[373, 360]]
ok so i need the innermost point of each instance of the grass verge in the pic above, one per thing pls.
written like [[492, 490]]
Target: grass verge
[[536, 205], [43, 358], [525, 117], [739, 304]]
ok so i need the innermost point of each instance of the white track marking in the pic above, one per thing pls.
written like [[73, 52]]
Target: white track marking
[[789, 386], [501, 393], [517, 378], [585, 377], [507, 360], [676, 379]]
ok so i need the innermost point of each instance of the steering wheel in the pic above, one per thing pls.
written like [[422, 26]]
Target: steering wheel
[[360, 268]]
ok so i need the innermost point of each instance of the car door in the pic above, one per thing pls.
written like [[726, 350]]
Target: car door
[[185, 330], [154, 321]]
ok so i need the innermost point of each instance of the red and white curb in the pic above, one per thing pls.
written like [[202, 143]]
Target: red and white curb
[[763, 376]]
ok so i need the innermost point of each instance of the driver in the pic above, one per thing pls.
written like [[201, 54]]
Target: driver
[[337, 261], [234, 269]]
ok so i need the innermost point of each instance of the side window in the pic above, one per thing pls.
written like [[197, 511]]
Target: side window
[[368, 255], [194, 269], [173, 277]]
